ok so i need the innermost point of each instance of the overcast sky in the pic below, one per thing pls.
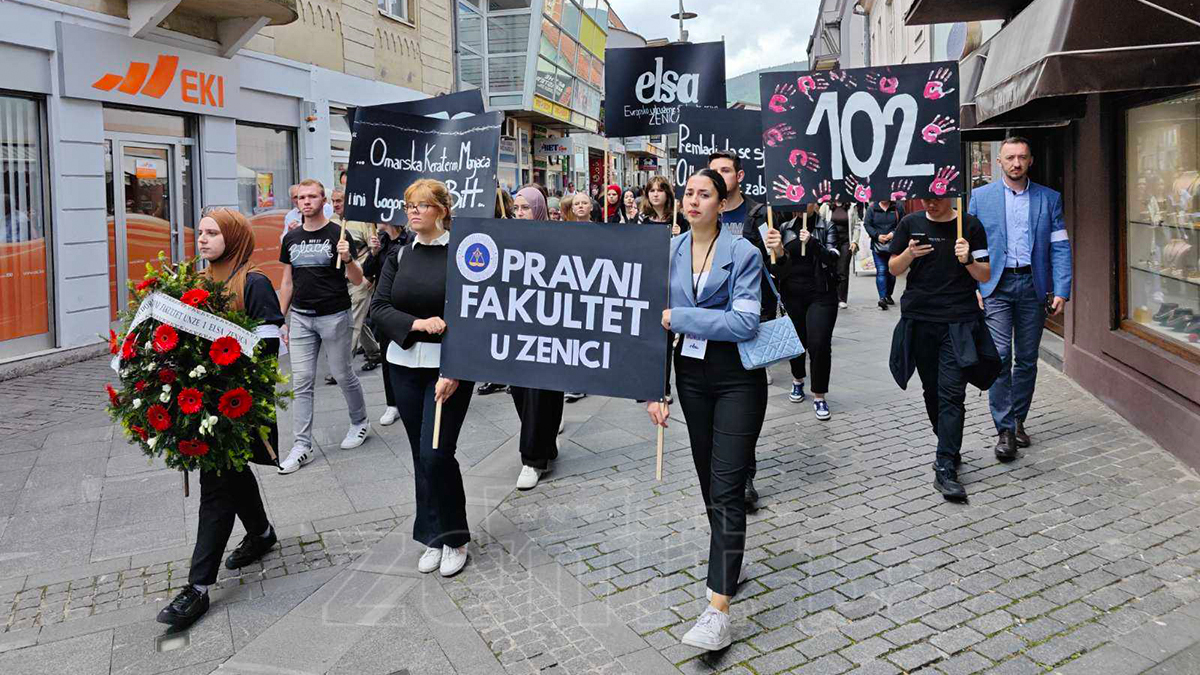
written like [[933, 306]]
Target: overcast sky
[[758, 33]]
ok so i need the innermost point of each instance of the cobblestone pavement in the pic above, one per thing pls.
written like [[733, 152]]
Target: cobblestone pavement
[[1081, 557]]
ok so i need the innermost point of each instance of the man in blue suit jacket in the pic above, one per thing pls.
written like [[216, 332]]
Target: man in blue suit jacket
[[1031, 269]]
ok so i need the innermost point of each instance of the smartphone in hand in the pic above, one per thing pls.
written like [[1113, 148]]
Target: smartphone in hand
[[1049, 304]]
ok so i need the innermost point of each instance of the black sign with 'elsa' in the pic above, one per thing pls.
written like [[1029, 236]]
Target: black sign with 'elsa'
[[703, 131], [390, 151], [645, 87], [865, 134], [557, 306]]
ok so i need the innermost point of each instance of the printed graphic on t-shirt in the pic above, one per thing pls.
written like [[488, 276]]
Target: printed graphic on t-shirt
[[311, 253]]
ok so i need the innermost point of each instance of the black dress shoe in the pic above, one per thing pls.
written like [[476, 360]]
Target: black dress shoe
[[1006, 447], [330, 380], [751, 495], [1022, 437], [883, 305], [369, 366], [945, 480], [489, 388], [250, 550], [890, 301], [183, 611]]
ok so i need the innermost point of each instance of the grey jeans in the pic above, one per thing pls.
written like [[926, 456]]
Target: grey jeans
[[307, 334]]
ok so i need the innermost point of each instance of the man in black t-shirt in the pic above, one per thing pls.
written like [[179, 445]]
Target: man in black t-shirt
[[314, 290], [941, 331]]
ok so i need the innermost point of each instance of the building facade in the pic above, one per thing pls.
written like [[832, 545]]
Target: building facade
[[839, 37], [121, 121]]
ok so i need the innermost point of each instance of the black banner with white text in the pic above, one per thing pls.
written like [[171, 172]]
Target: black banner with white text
[[703, 131], [557, 306], [646, 87]]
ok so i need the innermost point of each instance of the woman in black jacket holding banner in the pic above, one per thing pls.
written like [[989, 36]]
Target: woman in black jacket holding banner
[[807, 260]]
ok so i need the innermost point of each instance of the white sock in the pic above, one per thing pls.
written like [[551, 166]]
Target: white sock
[[266, 533], [202, 589]]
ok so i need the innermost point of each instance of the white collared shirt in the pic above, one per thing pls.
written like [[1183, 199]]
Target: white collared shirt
[[421, 354]]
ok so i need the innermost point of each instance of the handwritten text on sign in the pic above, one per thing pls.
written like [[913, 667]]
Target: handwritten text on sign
[[864, 134], [390, 151], [703, 131]]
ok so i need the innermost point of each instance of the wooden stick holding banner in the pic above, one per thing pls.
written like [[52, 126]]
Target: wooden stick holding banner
[[500, 201], [771, 226], [662, 404], [804, 226], [341, 238], [958, 212], [607, 181], [437, 424]]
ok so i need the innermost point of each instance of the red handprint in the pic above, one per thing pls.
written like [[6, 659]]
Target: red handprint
[[804, 159], [784, 188], [780, 99], [779, 133], [824, 192], [862, 191], [937, 79], [900, 189], [882, 83], [941, 124], [941, 180], [811, 83], [842, 76]]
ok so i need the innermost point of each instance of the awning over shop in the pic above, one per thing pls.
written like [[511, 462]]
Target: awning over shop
[[1056, 51], [949, 11]]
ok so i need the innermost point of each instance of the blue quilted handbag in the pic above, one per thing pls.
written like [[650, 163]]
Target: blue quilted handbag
[[776, 340]]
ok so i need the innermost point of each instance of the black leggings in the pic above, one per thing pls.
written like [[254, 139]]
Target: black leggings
[[723, 404], [845, 260], [388, 394], [222, 497], [813, 314]]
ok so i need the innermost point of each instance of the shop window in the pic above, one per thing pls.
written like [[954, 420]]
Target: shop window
[[506, 73], [508, 34], [24, 301], [266, 159], [470, 29], [1162, 233]]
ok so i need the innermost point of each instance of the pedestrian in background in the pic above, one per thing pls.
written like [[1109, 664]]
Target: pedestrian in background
[[839, 217], [360, 295], [554, 208], [384, 244], [880, 223], [629, 199], [659, 204], [612, 211], [577, 208]]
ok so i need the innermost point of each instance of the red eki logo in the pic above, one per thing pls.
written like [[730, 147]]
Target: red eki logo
[[195, 87]]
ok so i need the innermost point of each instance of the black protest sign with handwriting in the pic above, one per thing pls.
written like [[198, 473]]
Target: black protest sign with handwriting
[[557, 306], [865, 134], [645, 87], [390, 151], [703, 131], [448, 106]]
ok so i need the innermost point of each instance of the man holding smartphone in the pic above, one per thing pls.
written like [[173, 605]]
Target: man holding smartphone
[[1031, 278], [941, 333]]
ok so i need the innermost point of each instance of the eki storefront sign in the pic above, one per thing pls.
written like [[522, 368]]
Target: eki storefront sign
[[111, 67]]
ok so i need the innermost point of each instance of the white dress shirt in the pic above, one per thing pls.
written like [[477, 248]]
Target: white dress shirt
[[421, 354]]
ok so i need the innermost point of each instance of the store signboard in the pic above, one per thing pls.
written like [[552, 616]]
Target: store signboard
[[114, 68], [553, 147]]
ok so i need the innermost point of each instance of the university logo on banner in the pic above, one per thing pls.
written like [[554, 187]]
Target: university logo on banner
[[866, 134], [703, 131], [390, 151], [646, 87], [557, 306]]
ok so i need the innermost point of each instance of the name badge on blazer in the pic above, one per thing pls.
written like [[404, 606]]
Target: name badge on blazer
[[694, 347]]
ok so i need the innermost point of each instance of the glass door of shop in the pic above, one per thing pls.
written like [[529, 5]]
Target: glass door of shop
[[150, 209]]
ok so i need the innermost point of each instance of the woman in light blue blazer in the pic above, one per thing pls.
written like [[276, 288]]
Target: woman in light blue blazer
[[715, 300]]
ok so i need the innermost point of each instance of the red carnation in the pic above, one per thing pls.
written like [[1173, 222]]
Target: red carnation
[[129, 347], [193, 448], [195, 297], [165, 338], [235, 403], [166, 376], [140, 386], [112, 395], [158, 417], [190, 401], [224, 351], [147, 283], [114, 345], [142, 433]]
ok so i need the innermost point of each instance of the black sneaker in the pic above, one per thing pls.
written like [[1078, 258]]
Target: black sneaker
[[330, 380], [489, 388], [573, 396], [369, 365], [945, 480], [889, 300], [251, 549], [751, 495], [183, 611], [883, 305], [1006, 446]]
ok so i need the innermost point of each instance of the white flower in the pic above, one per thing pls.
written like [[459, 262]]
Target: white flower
[[137, 403], [166, 388], [199, 371], [152, 442], [212, 421], [165, 397]]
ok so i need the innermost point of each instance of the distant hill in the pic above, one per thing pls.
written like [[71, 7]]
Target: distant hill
[[744, 88]]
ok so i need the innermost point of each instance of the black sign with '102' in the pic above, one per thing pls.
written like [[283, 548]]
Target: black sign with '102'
[[866, 134]]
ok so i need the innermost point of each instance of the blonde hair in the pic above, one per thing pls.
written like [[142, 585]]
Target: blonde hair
[[435, 192], [311, 182], [567, 207]]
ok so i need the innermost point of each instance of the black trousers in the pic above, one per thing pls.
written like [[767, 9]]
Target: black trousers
[[944, 384], [814, 314], [389, 394], [724, 405], [441, 499], [843, 268], [222, 497], [541, 412]]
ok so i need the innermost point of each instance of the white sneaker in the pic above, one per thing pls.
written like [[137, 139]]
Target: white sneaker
[[770, 380], [453, 560], [298, 457], [430, 560], [356, 435], [389, 417], [842, 305], [711, 632], [562, 424], [528, 478]]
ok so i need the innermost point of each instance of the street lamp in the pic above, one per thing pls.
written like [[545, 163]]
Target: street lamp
[[681, 15]]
